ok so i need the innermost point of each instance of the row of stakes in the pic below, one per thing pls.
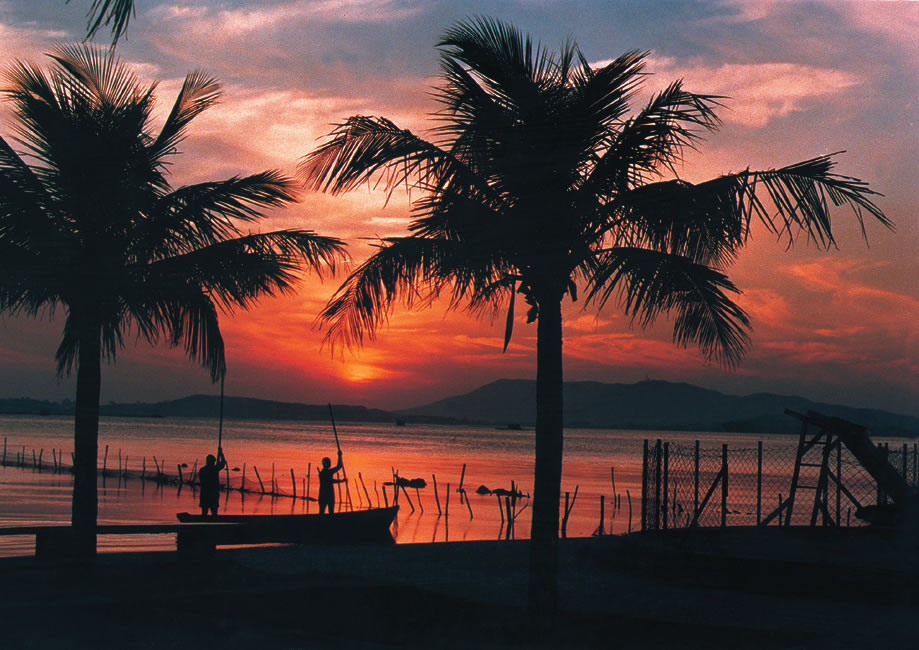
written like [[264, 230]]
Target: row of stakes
[[511, 503]]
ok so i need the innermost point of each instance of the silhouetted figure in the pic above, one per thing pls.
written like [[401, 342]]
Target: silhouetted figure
[[326, 481], [209, 478]]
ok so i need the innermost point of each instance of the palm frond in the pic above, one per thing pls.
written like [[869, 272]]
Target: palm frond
[[29, 281], [706, 222], [649, 283], [410, 270], [24, 201], [97, 75], [502, 57], [236, 272], [103, 13], [364, 146], [654, 139], [199, 92], [799, 194], [194, 216], [604, 95], [185, 315]]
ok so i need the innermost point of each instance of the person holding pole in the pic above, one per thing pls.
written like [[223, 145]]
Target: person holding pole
[[209, 479], [326, 481]]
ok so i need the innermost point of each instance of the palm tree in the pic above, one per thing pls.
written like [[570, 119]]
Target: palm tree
[[89, 223], [536, 181]]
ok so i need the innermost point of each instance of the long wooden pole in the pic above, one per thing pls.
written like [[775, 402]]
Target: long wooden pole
[[334, 429], [344, 473], [220, 425]]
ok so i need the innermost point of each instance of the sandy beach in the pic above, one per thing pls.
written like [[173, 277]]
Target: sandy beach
[[625, 592]]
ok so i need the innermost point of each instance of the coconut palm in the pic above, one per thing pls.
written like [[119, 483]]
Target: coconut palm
[[90, 223], [536, 181]]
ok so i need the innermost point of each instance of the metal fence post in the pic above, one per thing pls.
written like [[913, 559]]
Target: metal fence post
[[666, 502], [724, 485], [644, 482], [659, 457], [882, 498], [759, 481], [915, 464], [695, 483], [839, 483]]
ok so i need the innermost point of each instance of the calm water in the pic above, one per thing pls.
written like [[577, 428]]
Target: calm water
[[493, 458]]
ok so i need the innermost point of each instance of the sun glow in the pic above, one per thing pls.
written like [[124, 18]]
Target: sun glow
[[360, 373]]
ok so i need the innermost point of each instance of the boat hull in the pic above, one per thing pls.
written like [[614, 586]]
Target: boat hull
[[355, 527]]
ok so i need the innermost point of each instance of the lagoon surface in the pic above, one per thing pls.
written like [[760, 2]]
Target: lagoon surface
[[492, 457]]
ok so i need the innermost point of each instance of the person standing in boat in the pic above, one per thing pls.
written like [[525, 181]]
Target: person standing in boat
[[326, 481], [209, 479]]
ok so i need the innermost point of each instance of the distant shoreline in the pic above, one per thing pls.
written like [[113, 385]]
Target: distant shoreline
[[511, 404]]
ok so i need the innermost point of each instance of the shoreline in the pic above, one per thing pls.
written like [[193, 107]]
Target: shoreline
[[625, 592]]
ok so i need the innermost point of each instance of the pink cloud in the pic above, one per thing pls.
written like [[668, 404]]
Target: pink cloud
[[757, 93]]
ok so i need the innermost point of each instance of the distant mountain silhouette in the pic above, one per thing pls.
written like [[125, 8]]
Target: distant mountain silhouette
[[656, 405], [646, 405], [247, 408], [207, 406]]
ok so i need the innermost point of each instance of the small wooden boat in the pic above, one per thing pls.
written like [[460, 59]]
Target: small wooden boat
[[350, 527]]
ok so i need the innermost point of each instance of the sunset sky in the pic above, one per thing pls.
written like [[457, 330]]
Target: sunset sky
[[804, 79]]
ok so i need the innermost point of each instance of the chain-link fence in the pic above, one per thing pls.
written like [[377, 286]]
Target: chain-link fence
[[719, 485]]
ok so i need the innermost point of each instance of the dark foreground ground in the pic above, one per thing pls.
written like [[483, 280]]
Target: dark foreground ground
[[740, 589]]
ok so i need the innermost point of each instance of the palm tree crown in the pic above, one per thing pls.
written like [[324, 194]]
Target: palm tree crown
[[89, 222], [539, 180]]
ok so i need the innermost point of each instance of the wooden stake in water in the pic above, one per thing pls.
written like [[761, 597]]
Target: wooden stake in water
[[436, 498], [568, 510], [262, 485], [612, 477], [600, 530], [366, 493], [293, 482], [407, 497], [447, 502], [460, 488], [629, 497], [465, 498]]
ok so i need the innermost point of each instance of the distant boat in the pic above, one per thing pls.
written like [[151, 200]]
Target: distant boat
[[511, 426], [400, 423], [351, 527]]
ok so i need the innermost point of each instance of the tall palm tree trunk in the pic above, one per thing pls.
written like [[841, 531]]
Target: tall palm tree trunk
[[543, 594], [86, 443]]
